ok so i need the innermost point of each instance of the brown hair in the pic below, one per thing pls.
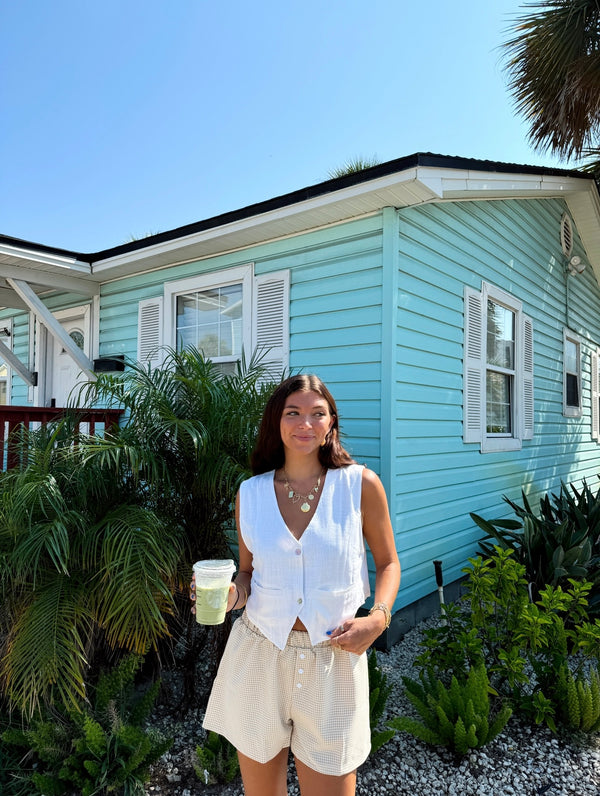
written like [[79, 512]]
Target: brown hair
[[268, 453]]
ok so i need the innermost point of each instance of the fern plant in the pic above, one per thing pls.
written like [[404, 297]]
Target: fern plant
[[100, 750], [578, 700], [379, 692], [216, 761], [457, 717]]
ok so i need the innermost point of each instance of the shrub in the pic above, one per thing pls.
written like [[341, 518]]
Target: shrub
[[100, 749], [524, 645], [216, 761], [457, 717], [379, 692], [578, 700], [560, 542]]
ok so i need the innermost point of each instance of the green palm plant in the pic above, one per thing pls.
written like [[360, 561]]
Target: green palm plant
[[186, 442], [554, 75], [78, 559]]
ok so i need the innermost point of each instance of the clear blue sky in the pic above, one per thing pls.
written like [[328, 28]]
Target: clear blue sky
[[121, 118]]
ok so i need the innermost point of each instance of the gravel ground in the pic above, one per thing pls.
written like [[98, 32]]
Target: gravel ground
[[522, 760]]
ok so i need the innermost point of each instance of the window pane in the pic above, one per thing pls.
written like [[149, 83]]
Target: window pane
[[498, 403], [500, 336], [211, 320], [571, 357], [572, 390], [3, 393]]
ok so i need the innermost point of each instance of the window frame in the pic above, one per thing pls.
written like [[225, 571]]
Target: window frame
[[215, 279], [476, 369], [571, 410]]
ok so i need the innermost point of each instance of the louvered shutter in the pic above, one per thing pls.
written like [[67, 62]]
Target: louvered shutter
[[150, 323], [527, 360], [473, 366], [271, 321], [595, 397]]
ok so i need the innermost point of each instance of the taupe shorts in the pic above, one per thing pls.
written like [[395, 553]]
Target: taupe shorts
[[313, 699]]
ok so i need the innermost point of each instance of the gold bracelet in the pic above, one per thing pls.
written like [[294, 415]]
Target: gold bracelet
[[386, 612]]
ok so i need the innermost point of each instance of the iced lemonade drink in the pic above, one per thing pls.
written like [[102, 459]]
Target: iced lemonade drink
[[213, 578]]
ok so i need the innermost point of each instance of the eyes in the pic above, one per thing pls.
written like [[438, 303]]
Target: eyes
[[294, 413]]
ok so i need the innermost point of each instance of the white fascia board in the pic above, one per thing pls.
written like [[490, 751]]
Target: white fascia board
[[68, 264], [51, 279], [351, 194], [469, 184]]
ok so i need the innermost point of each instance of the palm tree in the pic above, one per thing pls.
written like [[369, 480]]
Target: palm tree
[[554, 75], [353, 165], [98, 535], [80, 561]]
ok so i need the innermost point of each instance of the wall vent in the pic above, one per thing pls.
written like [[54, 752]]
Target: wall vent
[[566, 234]]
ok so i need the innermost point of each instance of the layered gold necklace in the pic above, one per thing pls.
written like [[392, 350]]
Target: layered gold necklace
[[296, 496]]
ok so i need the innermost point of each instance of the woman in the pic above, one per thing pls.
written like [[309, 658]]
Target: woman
[[294, 672]]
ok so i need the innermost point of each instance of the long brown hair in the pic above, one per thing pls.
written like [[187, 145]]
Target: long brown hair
[[269, 454]]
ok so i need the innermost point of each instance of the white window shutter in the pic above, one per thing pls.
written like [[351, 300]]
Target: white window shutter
[[527, 360], [150, 326], [595, 396], [473, 366], [270, 318]]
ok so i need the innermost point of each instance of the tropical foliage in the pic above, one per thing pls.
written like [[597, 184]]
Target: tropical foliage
[[457, 716], [553, 63], [102, 749], [559, 542], [353, 165], [526, 646], [97, 535]]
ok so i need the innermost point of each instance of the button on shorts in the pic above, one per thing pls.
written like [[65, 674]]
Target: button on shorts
[[314, 700]]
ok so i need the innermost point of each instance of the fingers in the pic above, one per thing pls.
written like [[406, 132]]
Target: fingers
[[232, 596], [193, 594]]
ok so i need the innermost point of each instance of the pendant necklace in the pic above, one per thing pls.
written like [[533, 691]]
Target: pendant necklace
[[296, 496]]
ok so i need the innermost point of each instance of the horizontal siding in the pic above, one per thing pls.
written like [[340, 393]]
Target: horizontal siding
[[514, 245], [335, 315]]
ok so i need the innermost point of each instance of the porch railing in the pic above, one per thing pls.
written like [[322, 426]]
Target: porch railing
[[30, 417]]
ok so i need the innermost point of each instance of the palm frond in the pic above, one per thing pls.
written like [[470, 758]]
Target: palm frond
[[553, 63], [136, 559], [43, 655]]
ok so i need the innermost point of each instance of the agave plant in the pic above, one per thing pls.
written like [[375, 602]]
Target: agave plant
[[559, 542]]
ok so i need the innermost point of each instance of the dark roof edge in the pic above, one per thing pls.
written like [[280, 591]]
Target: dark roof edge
[[425, 159]]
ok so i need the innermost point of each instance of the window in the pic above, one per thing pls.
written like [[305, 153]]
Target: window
[[211, 320], [498, 370], [571, 374], [223, 314]]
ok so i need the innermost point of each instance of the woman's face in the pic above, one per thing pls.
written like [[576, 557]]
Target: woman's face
[[305, 421]]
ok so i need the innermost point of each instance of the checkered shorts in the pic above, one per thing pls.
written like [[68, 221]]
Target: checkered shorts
[[313, 699]]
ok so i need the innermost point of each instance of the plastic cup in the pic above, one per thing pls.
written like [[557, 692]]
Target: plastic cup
[[213, 579]]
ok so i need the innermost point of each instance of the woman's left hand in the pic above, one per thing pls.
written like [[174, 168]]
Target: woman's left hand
[[358, 634]]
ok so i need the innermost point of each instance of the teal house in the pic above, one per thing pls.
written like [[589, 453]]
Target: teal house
[[452, 306]]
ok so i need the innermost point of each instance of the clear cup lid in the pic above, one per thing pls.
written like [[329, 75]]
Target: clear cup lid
[[216, 565]]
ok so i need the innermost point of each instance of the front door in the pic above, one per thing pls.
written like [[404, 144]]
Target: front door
[[64, 373]]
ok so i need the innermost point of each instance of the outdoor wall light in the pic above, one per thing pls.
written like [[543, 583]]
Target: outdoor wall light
[[4, 332], [575, 266]]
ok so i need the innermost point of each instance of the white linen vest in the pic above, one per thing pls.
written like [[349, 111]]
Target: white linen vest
[[322, 578]]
